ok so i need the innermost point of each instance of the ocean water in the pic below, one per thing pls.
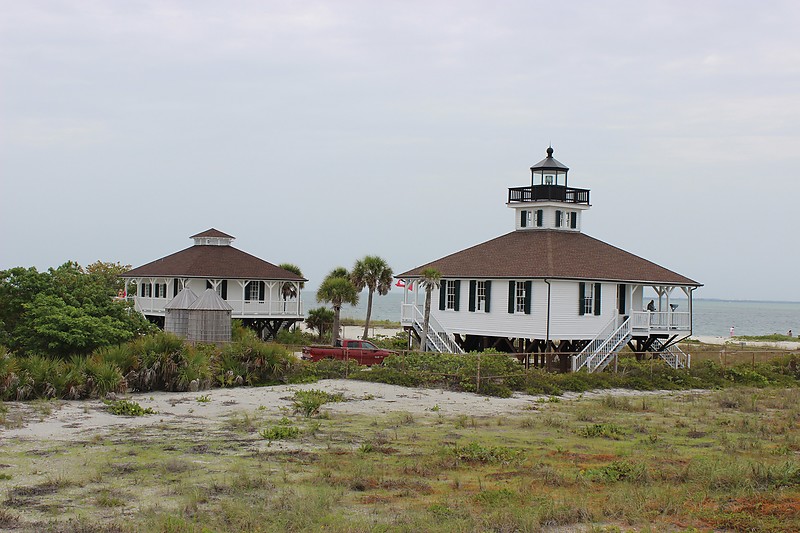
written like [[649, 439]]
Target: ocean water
[[711, 317]]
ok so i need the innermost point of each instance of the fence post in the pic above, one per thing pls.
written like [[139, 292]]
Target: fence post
[[478, 379]]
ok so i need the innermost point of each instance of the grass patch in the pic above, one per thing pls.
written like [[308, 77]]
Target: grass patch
[[127, 408]]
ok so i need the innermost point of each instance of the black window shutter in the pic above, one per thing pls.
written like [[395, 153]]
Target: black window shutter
[[512, 295], [581, 297], [622, 302], [261, 290], [597, 298], [174, 287], [247, 291], [523, 219], [558, 219], [488, 285], [141, 290], [539, 216], [442, 295], [528, 296], [573, 220], [224, 289], [458, 294], [473, 285]]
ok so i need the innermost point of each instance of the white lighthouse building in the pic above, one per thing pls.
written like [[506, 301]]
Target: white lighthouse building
[[546, 291]]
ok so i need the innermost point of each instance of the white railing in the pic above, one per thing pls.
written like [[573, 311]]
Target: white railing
[[438, 337], [596, 355], [661, 321], [579, 360], [673, 355], [240, 307]]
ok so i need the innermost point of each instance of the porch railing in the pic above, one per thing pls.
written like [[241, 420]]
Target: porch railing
[[240, 308], [543, 193], [661, 321]]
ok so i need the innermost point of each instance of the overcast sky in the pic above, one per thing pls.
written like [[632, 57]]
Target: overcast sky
[[319, 132]]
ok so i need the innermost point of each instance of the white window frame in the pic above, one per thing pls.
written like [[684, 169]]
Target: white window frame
[[147, 290], [480, 296], [519, 297], [450, 295], [255, 291], [588, 299], [160, 290]]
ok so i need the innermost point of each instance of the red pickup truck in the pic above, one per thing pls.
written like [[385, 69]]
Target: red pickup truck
[[364, 352]]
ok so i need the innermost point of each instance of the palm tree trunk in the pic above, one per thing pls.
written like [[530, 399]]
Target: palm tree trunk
[[427, 319], [369, 314], [335, 332]]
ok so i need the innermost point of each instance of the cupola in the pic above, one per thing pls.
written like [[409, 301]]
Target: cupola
[[212, 237], [548, 203]]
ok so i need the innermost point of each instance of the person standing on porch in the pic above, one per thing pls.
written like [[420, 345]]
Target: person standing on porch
[[651, 306]]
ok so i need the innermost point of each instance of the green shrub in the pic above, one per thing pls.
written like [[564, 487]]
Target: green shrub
[[607, 431], [478, 453], [308, 402], [127, 408], [279, 432]]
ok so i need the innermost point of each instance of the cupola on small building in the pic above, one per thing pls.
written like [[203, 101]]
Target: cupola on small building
[[553, 295]]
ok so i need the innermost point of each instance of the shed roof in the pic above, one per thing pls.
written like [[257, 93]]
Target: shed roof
[[182, 300], [217, 262], [210, 301], [555, 254]]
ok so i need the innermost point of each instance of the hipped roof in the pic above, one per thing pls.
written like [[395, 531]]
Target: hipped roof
[[210, 301], [219, 262], [553, 254]]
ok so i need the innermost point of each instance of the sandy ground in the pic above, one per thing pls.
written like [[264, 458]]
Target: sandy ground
[[76, 420], [783, 345]]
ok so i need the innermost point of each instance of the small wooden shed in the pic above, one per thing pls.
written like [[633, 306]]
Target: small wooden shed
[[176, 312], [209, 319]]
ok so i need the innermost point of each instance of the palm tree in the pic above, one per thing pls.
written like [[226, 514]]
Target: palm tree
[[430, 278], [337, 289], [375, 274], [289, 288], [319, 319]]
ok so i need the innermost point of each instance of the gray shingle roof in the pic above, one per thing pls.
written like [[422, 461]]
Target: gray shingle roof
[[557, 254], [211, 301], [218, 262]]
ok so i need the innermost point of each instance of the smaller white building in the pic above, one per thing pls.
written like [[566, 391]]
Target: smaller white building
[[550, 293], [264, 296]]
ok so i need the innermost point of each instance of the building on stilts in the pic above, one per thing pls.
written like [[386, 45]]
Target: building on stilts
[[263, 296], [549, 293]]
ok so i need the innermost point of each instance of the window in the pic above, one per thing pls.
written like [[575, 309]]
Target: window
[[254, 291], [520, 297], [520, 294], [480, 295], [548, 180], [589, 298], [146, 290], [451, 295], [160, 290], [559, 216]]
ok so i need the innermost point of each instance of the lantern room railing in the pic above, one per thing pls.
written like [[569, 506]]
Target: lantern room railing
[[545, 193]]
